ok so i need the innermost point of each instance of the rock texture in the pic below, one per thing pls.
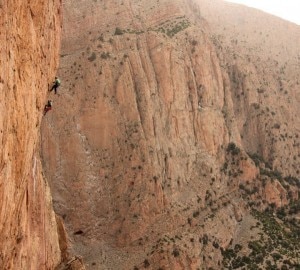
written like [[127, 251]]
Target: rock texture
[[166, 130], [263, 67], [30, 43]]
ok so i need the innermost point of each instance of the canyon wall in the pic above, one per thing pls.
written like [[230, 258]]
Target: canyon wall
[[30, 43], [260, 54], [147, 148]]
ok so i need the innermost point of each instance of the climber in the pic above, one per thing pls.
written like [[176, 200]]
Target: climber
[[199, 105], [48, 106], [56, 84]]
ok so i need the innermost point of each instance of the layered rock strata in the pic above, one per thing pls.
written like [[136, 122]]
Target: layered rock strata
[[150, 148]]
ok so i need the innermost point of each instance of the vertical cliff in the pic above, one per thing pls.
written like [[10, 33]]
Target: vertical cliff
[[30, 43], [150, 146]]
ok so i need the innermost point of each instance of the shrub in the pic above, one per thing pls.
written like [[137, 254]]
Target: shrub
[[205, 239], [175, 252], [255, 246], [146, 263], [242, 187], [256, 158], [118, 31], [237, 247], [233, 149], [276, 256], [196, 214], [272, 174], [228, 253], [92, 57], [105, 55], [216, 245]]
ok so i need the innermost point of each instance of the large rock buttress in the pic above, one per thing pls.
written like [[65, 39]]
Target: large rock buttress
[[137, 146]]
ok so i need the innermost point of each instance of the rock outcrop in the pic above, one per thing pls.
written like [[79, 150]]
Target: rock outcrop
[[30, 43], [165, 129]]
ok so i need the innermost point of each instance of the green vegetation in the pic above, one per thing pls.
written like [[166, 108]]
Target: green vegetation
[[272, 174], [277, 245], [146, 263], [92, 57], [171, 28], [177, 28], [294, 181], [233, 149], [118, 31], [175, 252], [256, 158], [105, 55], [277, 248], [196, 214]]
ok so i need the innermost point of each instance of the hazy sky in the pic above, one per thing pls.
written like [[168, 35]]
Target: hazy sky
[[286, 9]]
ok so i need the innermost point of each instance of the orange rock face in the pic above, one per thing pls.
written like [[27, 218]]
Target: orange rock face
[[136, 145], [276, 194], [30, 42]]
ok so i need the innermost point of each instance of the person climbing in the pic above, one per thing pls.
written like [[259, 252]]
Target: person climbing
[[56, 84], [48, 106], [199, 105]]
